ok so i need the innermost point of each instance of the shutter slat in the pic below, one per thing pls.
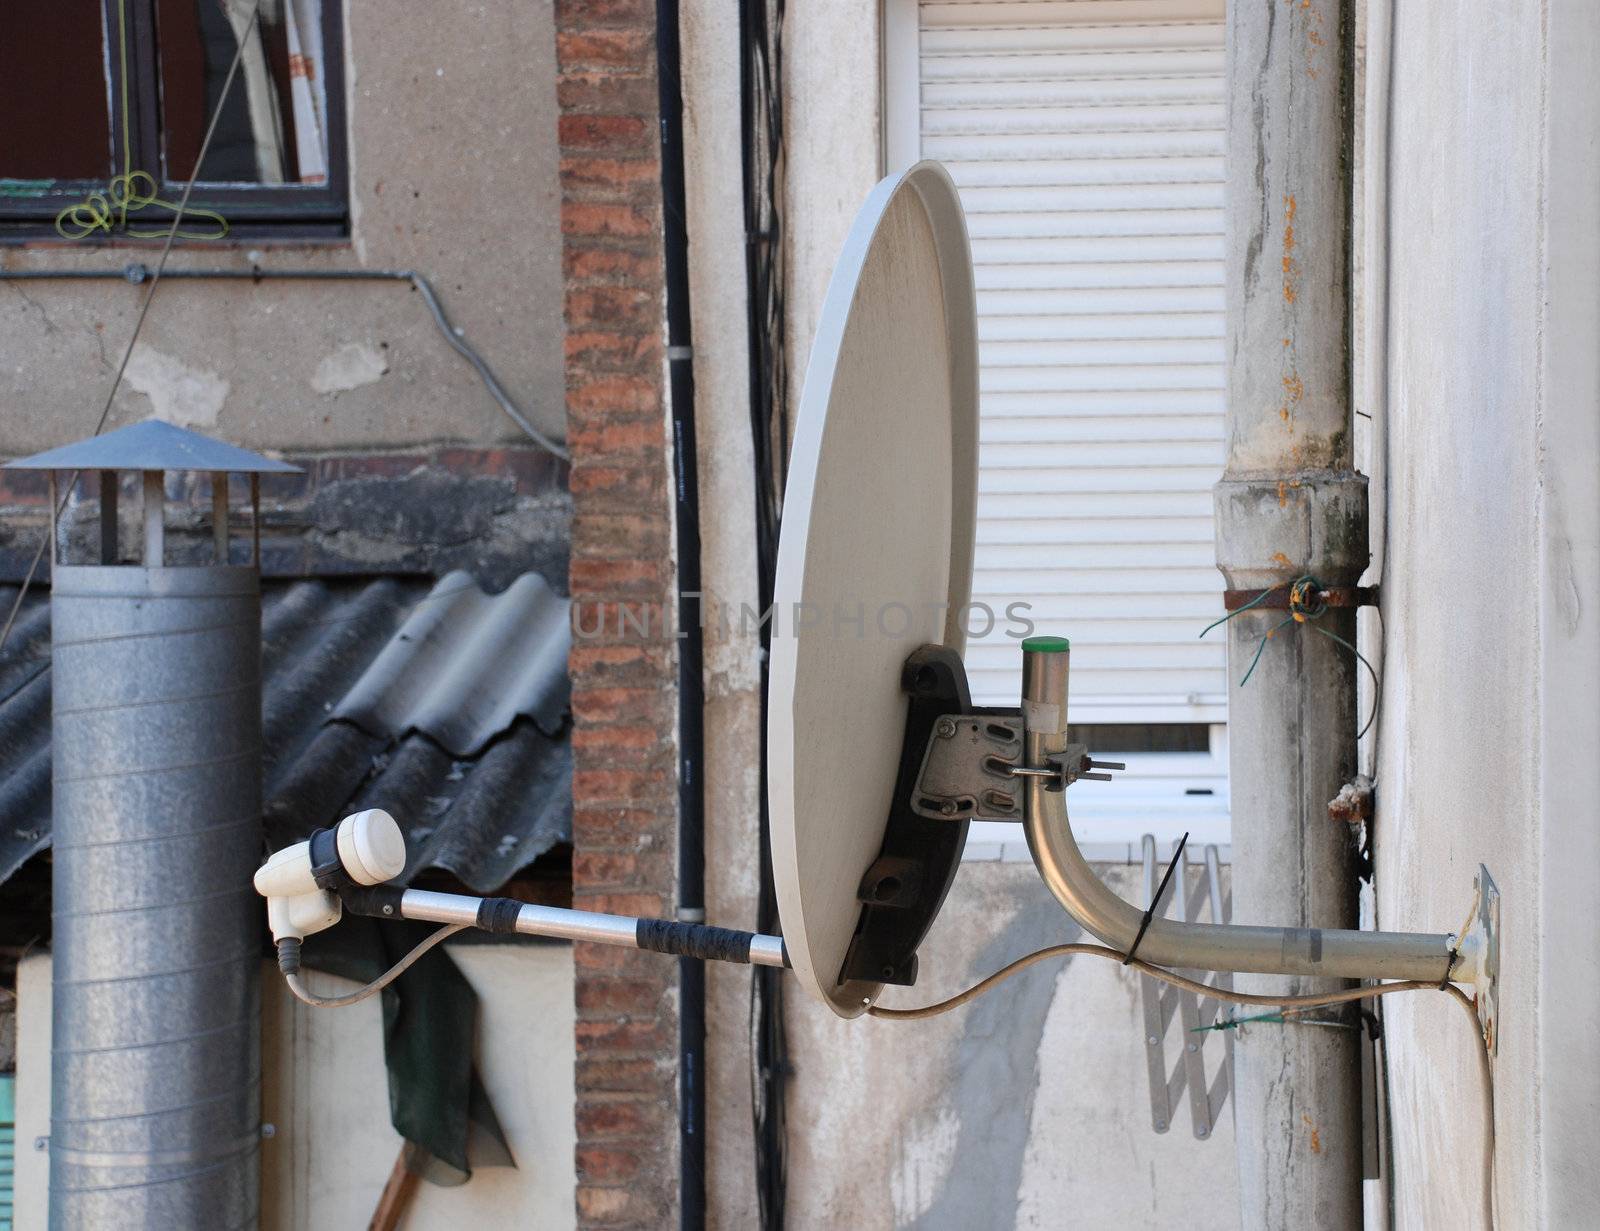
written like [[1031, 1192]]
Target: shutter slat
[[1105, 303], [1030, 198], [990, 172], [1063, 143], [978, 92], [1108, 224], [1109, 429], [1111, 532], [1201, 116], [955, 13], [1039, 35], [1105, 275]]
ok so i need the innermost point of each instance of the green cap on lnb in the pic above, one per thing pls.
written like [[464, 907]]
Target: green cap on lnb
[[1047, 645]]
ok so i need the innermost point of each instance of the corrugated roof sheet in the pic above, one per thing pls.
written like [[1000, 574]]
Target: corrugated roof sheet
[[464, 665], [377, 693]]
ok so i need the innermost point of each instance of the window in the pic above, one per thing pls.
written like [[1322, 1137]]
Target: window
[[1086, 140], [106, 107]]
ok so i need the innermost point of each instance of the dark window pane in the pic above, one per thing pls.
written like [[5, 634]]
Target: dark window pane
[[1142, 737], [55, 120], [273, 126]]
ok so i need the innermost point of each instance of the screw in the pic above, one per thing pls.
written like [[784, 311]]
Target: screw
[[1192, 1047], [1161, 1126], [269, 1130], [948, 808], [1201, 1132], [946, 728], [388, 910], [41, 1143], [1152, 1041]]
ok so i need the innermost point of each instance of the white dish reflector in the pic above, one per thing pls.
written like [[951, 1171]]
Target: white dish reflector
[[875, 556]]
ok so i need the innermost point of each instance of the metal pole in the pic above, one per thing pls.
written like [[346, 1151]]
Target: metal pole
[[155, 533], [690, 940], [1345, 953], [219, 516], [1290, 504]]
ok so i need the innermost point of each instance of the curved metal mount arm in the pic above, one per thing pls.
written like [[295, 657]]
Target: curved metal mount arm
[[1331, 953]]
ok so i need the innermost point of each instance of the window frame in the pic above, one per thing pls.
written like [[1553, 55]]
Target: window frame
[[253, 212]]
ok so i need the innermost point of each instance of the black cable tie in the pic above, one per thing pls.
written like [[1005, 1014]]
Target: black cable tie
[[1161, 889]]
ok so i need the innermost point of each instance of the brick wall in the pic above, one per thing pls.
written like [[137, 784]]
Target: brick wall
[[623, 684]]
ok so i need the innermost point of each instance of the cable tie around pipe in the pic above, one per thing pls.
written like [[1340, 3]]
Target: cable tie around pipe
[[1161, 892]]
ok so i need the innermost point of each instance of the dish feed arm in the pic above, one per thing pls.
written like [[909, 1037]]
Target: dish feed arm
[[1330, 953]]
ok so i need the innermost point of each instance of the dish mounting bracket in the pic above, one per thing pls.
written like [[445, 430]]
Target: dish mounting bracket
[[904, 887]]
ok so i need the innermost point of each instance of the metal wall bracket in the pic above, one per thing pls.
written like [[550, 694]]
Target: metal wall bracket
[[1196, 1017], [966, 772], [1488, 979], [973, 770]]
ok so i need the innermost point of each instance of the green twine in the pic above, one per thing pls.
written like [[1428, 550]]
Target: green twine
[[1281, 1019], [131, 191], [1302, 611]]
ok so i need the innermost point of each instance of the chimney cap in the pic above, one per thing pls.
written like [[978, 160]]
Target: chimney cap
[[152, 445]]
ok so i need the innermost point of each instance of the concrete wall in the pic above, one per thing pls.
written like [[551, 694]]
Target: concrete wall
[[1027, 1108], [453, 172], [325, 1091], [1486, 749]]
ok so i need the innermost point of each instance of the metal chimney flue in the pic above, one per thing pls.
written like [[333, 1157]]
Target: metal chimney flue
[[156, 736]]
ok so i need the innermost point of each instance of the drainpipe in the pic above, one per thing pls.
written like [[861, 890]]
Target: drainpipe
[[691, 687], [1290, 504]]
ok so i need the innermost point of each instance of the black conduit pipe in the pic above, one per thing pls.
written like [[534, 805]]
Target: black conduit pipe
[[691, 689]]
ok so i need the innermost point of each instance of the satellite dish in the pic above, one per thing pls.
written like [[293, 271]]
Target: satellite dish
[[874, 564]]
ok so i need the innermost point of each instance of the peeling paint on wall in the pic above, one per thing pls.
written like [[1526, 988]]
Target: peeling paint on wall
[[926, 1152], [178, 393], [354, 364], [996, 1067]]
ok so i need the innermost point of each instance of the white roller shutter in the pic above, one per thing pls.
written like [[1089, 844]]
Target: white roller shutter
[[1086, 137]]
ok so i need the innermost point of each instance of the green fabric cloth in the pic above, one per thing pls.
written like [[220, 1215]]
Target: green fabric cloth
[[437, 1101]]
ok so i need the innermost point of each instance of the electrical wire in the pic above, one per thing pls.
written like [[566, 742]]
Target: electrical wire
[[490, 382], [144, 308], [761, 120], [289, 964], [1345, 996], [1306, 605]]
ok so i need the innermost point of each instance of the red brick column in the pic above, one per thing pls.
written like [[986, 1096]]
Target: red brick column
[[623, 683]]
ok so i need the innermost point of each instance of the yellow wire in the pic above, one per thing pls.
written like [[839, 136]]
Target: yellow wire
[[127, 193]]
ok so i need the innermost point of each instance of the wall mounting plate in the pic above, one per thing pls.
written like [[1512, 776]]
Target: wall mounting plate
[[874, 558], [1488, 980]]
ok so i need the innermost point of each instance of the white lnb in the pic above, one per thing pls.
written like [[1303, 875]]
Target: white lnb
[[365, 849], [371, 847]]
